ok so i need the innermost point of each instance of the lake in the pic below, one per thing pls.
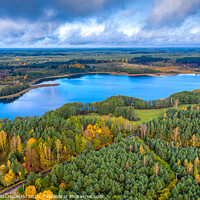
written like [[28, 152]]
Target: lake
[[91, 88]]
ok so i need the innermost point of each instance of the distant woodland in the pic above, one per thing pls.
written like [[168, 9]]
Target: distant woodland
[[20, 69]]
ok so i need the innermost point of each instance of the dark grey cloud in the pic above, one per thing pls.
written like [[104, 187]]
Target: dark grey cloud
[[57, 9], [61, 23]]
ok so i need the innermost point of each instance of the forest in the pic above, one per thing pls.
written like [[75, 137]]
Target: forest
[[90, 152], [131, 172], [33, 144]]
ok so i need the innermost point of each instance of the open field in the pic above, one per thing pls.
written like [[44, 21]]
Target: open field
[[147, 115]]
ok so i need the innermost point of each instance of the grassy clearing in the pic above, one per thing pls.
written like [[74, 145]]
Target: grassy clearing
[[147, 115]]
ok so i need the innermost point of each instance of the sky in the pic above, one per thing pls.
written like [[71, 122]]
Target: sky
[[99, 23]]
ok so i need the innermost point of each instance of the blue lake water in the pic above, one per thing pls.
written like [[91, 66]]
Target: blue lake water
[[91, 88]]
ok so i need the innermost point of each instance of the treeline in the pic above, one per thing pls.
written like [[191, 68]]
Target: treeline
[[110, 104], [124, 106], [8, 90], [49, 65], [129, 71], [48, 72], [187, 97], [188, 60], [116, 105], [148, 59]]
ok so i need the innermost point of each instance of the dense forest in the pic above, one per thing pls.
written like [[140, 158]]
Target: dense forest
[[157, 167], [181, 127], [88, 149], [188, 60], [124, 170]]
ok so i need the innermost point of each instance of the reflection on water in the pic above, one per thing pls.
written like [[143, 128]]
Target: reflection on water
[[91, 88]]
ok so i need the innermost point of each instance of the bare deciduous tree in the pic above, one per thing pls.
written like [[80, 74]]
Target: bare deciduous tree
[[144, 162], [156, 169], [176, 102], [143, 129]]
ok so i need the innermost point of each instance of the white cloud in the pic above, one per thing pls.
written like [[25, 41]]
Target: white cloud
[[85, 29], [172, 11]]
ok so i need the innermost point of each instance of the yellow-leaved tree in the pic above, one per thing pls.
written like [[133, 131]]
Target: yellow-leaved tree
[[30, 191], [30, 142], [45, 195], [3, 139], [9, 178], [58, 144]]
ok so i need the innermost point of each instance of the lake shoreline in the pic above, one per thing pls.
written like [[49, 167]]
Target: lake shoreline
[[66, 76], [28, 89], [37, 81]]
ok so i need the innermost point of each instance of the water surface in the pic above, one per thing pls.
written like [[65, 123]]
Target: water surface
[[91, 88]]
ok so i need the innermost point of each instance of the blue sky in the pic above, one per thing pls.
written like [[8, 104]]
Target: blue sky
[[99, 23]]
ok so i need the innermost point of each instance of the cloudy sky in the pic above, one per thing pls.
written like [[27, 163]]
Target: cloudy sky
[[99, 23]]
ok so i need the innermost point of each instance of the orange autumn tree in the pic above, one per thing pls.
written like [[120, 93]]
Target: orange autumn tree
[[194, 140], [189, 168], [13, 143]]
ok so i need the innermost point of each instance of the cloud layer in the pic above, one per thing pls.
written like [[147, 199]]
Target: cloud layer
[[66, 23], [170, 12]]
